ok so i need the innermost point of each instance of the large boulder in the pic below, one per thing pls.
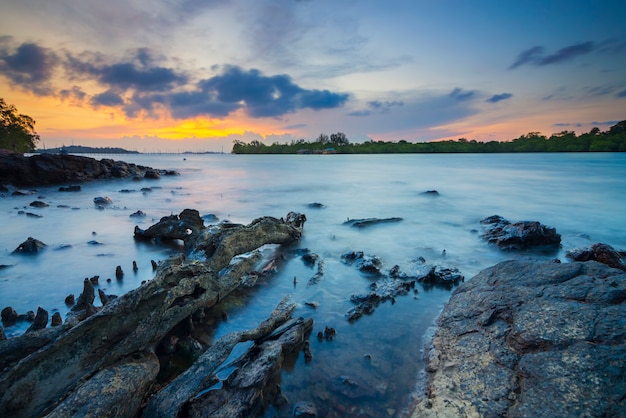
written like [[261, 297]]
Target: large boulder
[[519, 235], [529, 338]]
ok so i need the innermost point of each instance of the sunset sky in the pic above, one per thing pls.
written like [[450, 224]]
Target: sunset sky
[[194, 75]]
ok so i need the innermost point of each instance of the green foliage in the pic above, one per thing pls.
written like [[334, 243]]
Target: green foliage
[[614, 140], [17, 131]]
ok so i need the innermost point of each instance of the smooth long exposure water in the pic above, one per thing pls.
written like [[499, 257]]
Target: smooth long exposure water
[[581, 195]]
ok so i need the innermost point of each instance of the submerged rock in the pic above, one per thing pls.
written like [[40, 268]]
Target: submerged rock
[[519, 235], [30, 246], [362, 223], [526, 338]]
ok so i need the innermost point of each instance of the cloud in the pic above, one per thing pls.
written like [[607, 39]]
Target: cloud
[[621, 94], [608, 123], [266, 96], [536, 55], [460, 94], [139, 71], [566, 124], [377, 106], [499, 97], [107, 98], [29, 66]]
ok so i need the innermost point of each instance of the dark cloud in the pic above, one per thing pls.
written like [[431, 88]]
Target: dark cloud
[[190, 104], [266, 96], [139, 72], [359, 113], [460, 94], [536, 55], [567, 124], [621, 93], [107, 98], [499, 97], [29, 66], [608, 123], [73, 93]]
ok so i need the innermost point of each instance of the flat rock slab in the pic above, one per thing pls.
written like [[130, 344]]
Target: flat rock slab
[[527, 338]]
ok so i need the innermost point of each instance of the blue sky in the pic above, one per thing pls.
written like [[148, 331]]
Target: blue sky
[[193, 74]]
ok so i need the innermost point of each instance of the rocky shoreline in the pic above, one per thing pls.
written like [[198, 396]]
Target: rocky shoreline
[[50, 169]]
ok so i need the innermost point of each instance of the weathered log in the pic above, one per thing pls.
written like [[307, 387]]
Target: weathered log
[[138, 320]]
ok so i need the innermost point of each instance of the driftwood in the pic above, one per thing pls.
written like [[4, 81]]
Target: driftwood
[[120, 339]]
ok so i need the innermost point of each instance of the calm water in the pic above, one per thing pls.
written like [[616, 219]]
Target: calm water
[[581, 195]]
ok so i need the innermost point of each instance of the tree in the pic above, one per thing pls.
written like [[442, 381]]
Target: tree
[[17, 131]]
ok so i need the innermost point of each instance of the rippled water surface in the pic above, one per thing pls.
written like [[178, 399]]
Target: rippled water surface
[[379, 355]]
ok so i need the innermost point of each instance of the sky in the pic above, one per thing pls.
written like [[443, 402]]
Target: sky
[[196, 75]]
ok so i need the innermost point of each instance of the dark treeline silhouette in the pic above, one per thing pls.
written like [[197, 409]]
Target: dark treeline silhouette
[[613, 140]]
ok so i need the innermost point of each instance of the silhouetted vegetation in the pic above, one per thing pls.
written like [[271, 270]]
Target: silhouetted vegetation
[[81, 149], [613, 140], [17, 131]]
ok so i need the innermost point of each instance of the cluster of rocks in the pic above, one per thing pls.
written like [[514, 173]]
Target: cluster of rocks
[[42, 169], [519, 235]]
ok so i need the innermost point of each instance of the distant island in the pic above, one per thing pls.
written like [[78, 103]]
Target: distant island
[[613, 140], [80, 149]]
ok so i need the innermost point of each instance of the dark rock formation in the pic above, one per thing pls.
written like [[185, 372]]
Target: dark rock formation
[[64, 370], [442, 276], [369, 264], [9, 316], [138, 214], [430, 193], [519, 235], [102, 200], [30, 246], [41, 320], [602, 253], [316, 205], [56, 319], [173, 227], [42, 169], [39, 204], [529, 338], [73, 188], [362, 223]]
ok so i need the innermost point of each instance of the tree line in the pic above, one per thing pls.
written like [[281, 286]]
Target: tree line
[[613, 140]]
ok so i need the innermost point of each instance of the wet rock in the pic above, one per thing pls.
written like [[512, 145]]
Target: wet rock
[[94, 280], [182, 227], [384, 289], [102, 200], [39, 204], [210, 218], [22, 192], [316, 205], [86, 298], [103, 297], [9, 316], [3, 336], [30, 246], [152, 174], [57, 320], [69, 299], [138, 214], [40, 321], [73, 188], [29, 214], [602, 253], [304, 410], [446, 277], [520, 235], [366, 263], [430, 193], [119, 273], [362, 223], [526, 338]]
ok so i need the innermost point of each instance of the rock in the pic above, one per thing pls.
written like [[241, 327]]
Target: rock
[[182, 227], [602, 253], [39, 204], [520, 235], [41, 320], [119, 273], [69, 299], [43, 169], [74, 188], [106, 200], [9, 316], [3, 336], [103, 297], [316, 205], [57, 320], [362, 223], [138, 214], [430, 193], [152, 174], [527, 338], [86, 298], [369, 264], [30, 246], [446, 277], [304, 410]]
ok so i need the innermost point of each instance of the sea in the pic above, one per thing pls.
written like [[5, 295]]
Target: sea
[[373, 366]]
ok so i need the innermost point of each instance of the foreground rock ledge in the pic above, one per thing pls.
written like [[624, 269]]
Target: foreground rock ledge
[[113, 349], [531, 339]]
